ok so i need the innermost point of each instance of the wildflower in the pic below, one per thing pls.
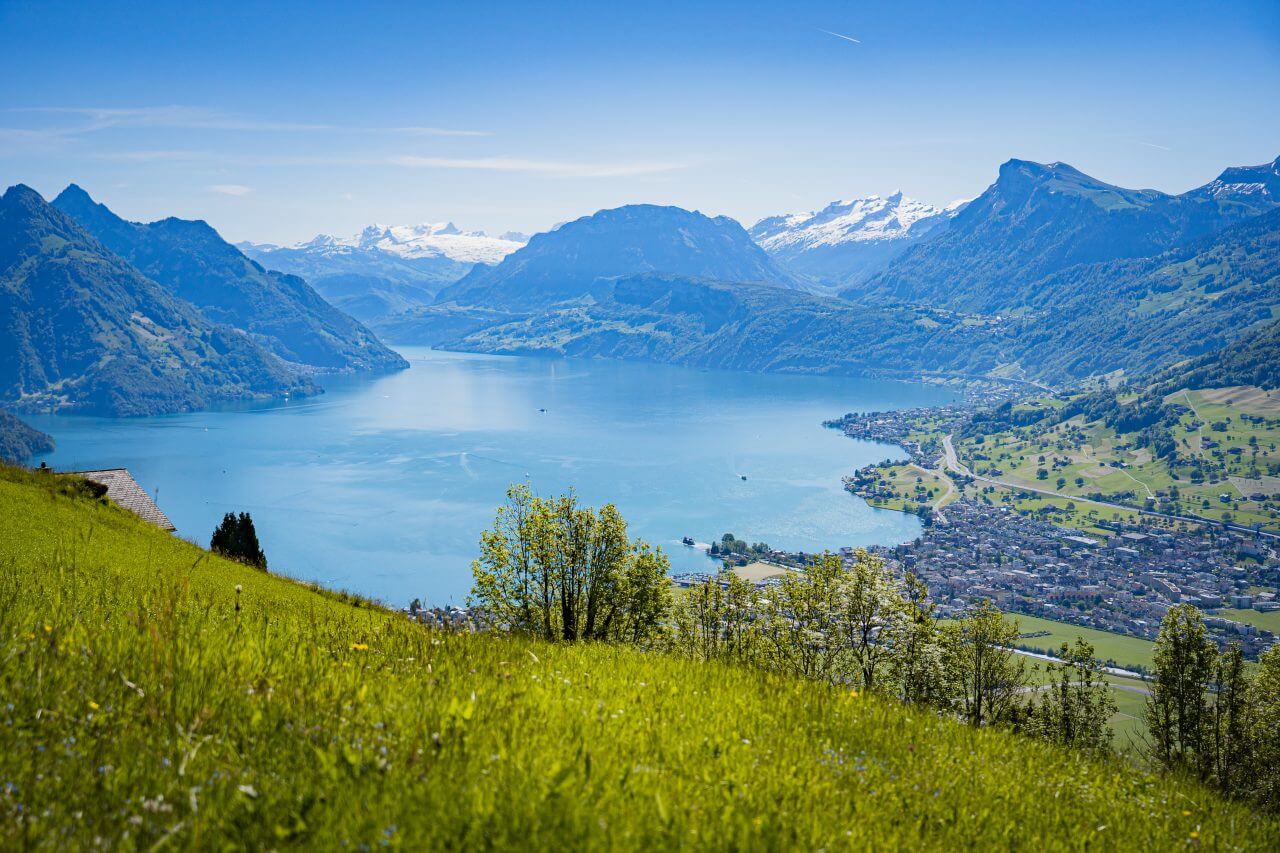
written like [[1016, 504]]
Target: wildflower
[[1186, 813], [48, 629], [93, 706], [1194, 835], [359, 647]]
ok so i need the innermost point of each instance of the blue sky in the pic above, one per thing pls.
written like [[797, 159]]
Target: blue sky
[[276, 124]]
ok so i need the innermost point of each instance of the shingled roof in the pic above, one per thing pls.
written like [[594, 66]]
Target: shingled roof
[[124, 491]]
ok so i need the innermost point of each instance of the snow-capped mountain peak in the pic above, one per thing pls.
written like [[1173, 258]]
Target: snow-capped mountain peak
[[869, 219], [851, 238], [427, 240]]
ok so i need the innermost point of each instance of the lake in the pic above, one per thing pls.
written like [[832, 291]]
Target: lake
[[382, 485]]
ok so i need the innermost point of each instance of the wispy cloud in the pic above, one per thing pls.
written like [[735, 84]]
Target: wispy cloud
[[231, 189], [177, 117], [838, 35], [556, 168], [559, 168]]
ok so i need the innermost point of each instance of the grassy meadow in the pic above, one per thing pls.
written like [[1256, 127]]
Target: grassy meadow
[[1234, 432], [155, 695]]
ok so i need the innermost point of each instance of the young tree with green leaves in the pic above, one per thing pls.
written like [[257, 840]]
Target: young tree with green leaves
[[553, 568], [1076, 710], [916, 660], [1231, 749], [870, 608], [988, 675], [799, 622], [1178, 712], [716, 620], [1264, 731]]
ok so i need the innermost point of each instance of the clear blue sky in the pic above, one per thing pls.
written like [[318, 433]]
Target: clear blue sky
[[275, 124]]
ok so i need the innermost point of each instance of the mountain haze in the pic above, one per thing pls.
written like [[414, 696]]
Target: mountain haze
[[386, 270]]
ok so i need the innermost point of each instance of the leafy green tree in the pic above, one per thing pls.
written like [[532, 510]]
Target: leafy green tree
[[1231, 738], [799, 623], [869, 610], [988, 676], [716, 620], [236, 538], [1177, 711], [916, 660], [1264, 731], [565, 572], [1075, 711]]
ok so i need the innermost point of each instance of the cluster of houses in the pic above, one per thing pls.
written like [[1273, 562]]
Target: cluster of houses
[[1124, 582]]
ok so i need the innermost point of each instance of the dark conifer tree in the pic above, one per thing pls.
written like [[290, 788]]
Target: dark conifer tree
[[236, 538]]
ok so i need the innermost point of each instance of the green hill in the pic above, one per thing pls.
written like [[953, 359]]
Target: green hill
[[156, 695]]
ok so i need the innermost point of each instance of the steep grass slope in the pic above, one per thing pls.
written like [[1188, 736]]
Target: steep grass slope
[[146, 700]]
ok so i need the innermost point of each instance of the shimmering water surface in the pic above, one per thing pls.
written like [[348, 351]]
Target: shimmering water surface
[[382, 485]]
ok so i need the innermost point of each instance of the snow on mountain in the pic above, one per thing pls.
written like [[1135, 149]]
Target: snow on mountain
[[429, 240], [848, 240]]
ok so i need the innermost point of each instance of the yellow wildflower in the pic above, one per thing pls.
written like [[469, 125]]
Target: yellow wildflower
[[48, 629], [359, 647], [1186, 813], [93, 706], [1194, 835]]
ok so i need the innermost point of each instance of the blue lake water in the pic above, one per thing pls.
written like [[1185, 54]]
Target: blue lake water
[[383, 485]]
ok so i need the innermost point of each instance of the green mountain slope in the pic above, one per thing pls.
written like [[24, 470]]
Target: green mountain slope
[[679, 320], [1144, 314], [19, 441], [281, 312], [156, 693], [83, 330]]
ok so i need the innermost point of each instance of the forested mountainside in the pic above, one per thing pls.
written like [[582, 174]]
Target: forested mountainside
[[1132, 314], [281, 312], [20, 441], [1251, 360], [86, 331]]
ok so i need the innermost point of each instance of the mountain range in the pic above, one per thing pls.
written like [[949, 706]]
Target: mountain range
[[385, 270], [1038, 219], [846, 241], [86, 331], [281, 312], [1049, 275]]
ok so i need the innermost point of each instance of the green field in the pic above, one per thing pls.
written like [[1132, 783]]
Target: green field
[[158, 696], [1266, 621], [1231, 434], [1126, 651]]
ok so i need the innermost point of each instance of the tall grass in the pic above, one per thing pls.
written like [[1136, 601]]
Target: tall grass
[[146, 701]]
